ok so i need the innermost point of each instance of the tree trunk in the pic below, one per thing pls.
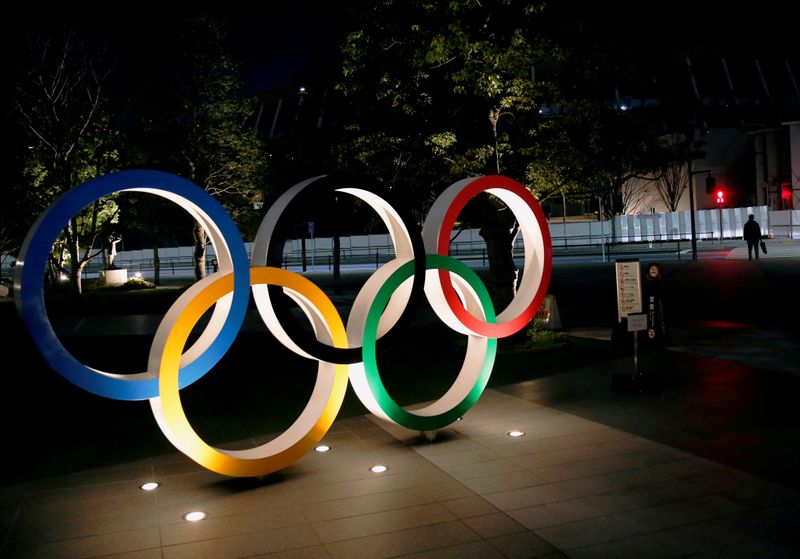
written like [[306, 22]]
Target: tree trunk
[[199, 236], [74, 258], [156, 262], [498, 232], [337, 262]]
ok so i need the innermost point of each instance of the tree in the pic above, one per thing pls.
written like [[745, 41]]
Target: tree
[[199, 123], [636, 195], [531, 90], [61, 102], [671, 185], [439, 91]]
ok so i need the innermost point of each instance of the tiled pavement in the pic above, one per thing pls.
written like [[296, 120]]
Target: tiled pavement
[[570, 487], [594, 476]]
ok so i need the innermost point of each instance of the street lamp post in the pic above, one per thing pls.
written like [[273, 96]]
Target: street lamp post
[[691, 210], [691, 205]]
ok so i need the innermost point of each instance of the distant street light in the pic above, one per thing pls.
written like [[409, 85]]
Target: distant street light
[[691, 205]]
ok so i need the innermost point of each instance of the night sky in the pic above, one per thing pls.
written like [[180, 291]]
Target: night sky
[[277, 42]]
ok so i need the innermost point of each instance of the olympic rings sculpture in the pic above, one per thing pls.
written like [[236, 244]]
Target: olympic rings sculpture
[[345, 353]]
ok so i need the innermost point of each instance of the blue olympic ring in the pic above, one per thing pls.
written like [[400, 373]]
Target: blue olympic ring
[[35, 251]]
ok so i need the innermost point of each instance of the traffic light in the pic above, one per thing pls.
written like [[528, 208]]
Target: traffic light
[[711, 183], [720, 197]]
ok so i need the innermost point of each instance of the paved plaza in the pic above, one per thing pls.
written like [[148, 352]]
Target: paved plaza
[[705, 466]]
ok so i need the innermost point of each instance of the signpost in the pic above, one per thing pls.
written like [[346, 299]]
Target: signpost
[[629, 307], [636, 323], [629, 288]]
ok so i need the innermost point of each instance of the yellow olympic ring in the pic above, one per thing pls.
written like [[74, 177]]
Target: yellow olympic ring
[[304, 433]]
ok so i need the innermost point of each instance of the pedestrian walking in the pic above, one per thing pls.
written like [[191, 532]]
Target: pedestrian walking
[[752, 235]]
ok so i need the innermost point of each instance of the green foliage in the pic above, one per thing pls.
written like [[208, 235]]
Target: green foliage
[[540, 338], [135, 283], [198, 123], [443, 90], [62, 107], [423, 78]]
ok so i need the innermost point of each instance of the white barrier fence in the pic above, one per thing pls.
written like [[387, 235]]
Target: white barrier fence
[[655, 227]]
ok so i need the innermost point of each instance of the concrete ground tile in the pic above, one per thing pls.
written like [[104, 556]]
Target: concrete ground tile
[[93, 546], [553, 514], [516, 410], [373, 485], [143, 554], [446, 490], [393, 430], [471, 550], [503, 482], [320, 491], [199, 481], [224, 507], [709, 535], [636, 498], [494, 524], [311, 552], [682, 512], [256, 543], [219, 526], [177, 468], [592, 485], [689, 467], [79, 481], [381, 522], [365, 504], [560, 457], [480, 431], [403, 542], [587, 532], [549, 420], [764, 495], [469, 456], [724, 480], [559, 443], [464, 472], [63, 522], [636, 477], [467, 507], [586, 468], [358, 471], [522, 545], [87, 492], [526, 497], [649, 457], [772, 548], [563, 428], [138, 501], [341, 437], [636, 547], [444, 445], [749, 525]]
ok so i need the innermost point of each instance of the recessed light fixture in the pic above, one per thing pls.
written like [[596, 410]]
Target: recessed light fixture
[[516, 433], [149, 486], [322, 448], [194, 516], [378, 469]]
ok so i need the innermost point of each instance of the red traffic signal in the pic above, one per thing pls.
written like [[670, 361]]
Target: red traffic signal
[[720, 197]]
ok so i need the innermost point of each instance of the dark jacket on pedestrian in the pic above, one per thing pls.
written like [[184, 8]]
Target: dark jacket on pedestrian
[[752, 231]]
